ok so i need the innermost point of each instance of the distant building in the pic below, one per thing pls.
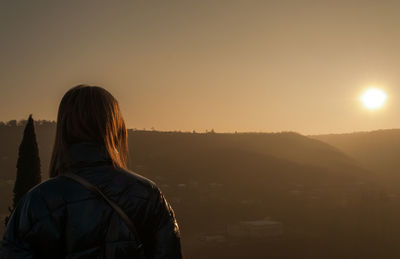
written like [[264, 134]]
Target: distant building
[[256, 229]]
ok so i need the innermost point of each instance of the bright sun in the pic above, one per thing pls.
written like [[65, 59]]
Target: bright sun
[[373, 98]]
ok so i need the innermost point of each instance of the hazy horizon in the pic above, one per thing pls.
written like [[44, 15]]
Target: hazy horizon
[[229, 132], [254, 66]]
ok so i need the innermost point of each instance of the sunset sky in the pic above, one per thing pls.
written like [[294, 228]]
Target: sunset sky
[[197, 65]]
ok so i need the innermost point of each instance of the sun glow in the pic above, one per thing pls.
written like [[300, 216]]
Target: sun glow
[[373, 98]]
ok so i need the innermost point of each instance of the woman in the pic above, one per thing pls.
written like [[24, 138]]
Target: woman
[[63, 218]]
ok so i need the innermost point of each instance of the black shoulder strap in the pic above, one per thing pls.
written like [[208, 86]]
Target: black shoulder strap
[[113, 205]]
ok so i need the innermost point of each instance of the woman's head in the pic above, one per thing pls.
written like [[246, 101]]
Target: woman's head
[[89, 114]]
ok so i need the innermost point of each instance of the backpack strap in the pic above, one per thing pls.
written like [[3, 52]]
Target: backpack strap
[[113, 205]]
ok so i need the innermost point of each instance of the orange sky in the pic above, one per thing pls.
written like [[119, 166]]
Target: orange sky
[[197, 65]]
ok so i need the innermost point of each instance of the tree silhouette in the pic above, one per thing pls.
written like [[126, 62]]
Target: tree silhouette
[[28, 164]]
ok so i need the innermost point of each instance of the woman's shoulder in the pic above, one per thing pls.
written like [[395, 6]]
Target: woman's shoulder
[[137, 178], [38, 204], [49, 187], [58, 191], [49, 193], [137, 184]]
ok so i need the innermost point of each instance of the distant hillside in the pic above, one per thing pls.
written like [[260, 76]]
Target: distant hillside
[[245, 164], [287, 146], [376, 150], [320, 188], [215, 180], [219, 157]]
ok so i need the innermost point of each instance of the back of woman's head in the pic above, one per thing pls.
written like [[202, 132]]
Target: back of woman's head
[[89, 114]]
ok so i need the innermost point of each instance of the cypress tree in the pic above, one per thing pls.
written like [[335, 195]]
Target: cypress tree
[[28, 164]]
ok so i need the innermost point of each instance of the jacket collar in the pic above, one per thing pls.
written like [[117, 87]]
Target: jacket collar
[[87, 153]]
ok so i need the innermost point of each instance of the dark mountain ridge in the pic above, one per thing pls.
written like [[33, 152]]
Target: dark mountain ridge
[[215, 180]]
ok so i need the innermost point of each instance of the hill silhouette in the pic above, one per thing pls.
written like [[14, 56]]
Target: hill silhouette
[[217, 180], [376, 150]]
